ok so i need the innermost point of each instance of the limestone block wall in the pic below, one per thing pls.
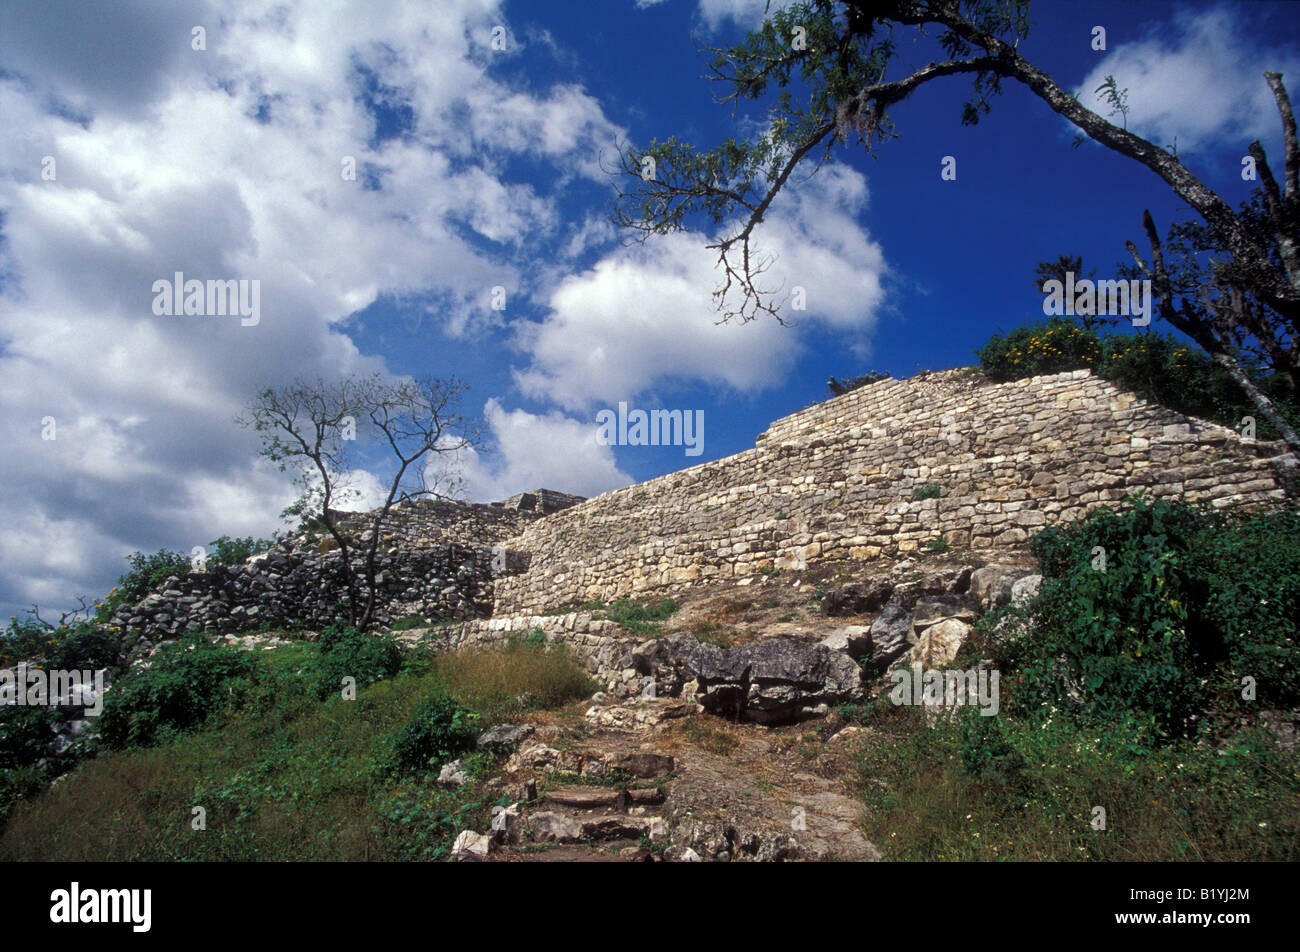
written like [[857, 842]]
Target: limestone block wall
[[836, 482]]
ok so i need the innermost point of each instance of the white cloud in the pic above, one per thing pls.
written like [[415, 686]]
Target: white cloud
[[1203, 87], [645, 315], [226, 163], [537, 451], [744, 13]]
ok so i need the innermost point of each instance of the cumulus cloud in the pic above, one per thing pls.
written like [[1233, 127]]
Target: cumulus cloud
[[536, 451], [645, 315], [1199, 81], [743, 13], [229, 163]]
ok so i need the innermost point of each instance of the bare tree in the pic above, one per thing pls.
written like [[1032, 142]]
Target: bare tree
[[317, 430]]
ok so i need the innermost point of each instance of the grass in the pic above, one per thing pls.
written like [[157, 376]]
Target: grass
[[1179, 803], [407, 622], [290, 777], [927, 492], [711, 735]]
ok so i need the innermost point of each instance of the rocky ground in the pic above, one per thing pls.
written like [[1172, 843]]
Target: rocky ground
[[736, 752]]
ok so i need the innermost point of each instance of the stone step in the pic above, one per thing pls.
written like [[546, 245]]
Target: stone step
[[589, 798], [552, 826]]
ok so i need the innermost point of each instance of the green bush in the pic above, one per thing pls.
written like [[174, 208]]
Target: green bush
[[841, 387], [348, 653], [85, 649], [1055, 346], [927, 492], [26, 639], [19, 783], [440, 730], [185, 684], [145, 574], [228, 551], [25, 735], [1157, 367], [1187, 602]]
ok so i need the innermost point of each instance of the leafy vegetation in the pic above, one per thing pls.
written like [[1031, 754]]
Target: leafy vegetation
[[840, 387], [346, 652], [280, 774], [228, 551], [1157, 367], [1158, 631], [440, 730]]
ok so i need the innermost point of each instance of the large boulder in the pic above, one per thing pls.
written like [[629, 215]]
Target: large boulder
[[939, 644], [771, 681], [854, 640], [1025, 589], [505, 736], [857, 598], [933, 609], [991, 585]]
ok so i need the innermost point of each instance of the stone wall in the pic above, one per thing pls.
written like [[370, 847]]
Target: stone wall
[[423, 522], [306, 590], [836, 482]]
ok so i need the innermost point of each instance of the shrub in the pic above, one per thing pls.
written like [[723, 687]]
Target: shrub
[[840, 387], [147, 572], [85, 649], [927, 492], [185, 684], [348, 653], [1054, 346], [26, 639], [1157, 367], [228, 551], [25, 735], [1189, 602], [440, 730]]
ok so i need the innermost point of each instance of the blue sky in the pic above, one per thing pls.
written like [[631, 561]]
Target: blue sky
[[482, 168]]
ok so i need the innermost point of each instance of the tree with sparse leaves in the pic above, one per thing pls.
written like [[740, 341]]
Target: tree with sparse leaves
[[316, 430], [824, 68]]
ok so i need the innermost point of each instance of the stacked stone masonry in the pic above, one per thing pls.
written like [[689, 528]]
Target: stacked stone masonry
[[836, 482]]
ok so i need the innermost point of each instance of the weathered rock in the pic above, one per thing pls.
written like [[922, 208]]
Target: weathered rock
[[854, 640], [471, 847], [933, 609], [452, 775], [587, 798], [643, 764], [507, 824], [648, 712], [505, 736], [547, 826], [938, 645], [1025, 589], [891, 633], [991, 585], [857, 598]]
